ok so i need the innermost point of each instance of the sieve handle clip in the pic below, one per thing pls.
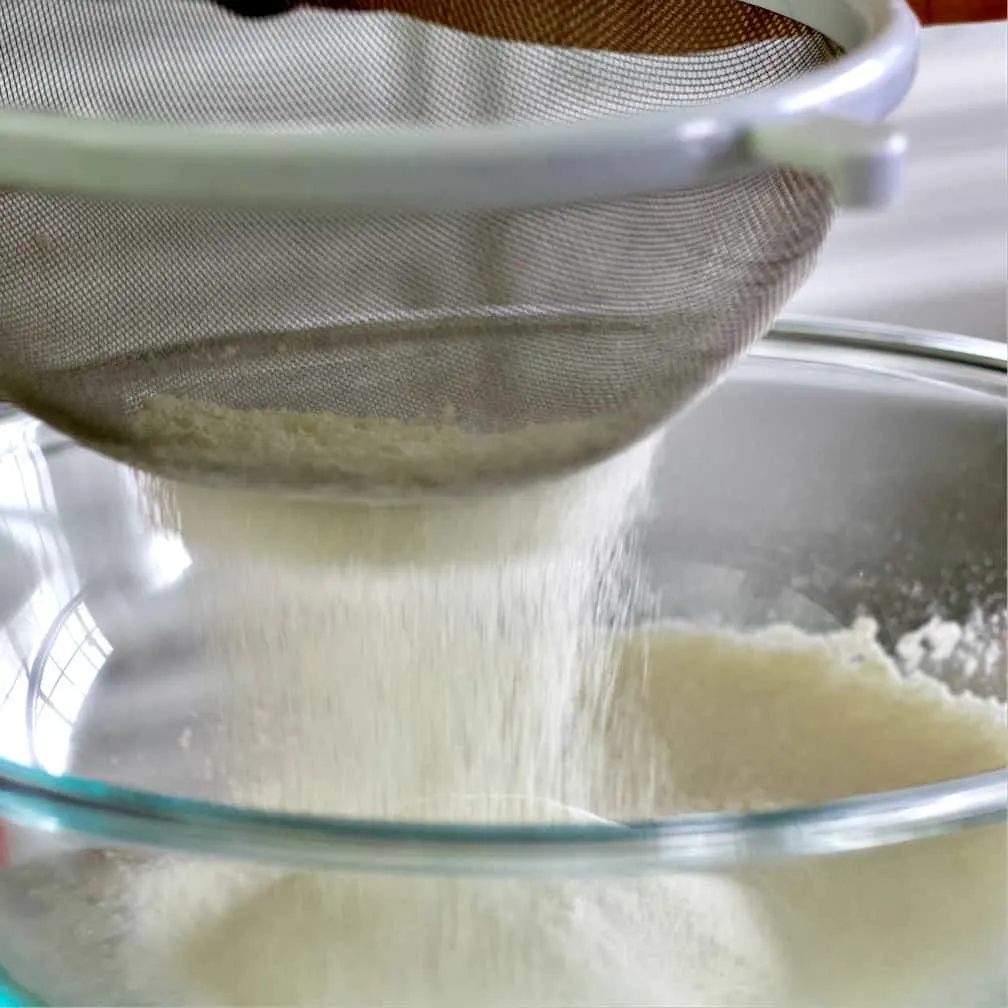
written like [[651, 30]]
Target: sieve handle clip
[[863, 160]]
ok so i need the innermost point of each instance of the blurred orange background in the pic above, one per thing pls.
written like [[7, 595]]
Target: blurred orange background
[[956, 11]]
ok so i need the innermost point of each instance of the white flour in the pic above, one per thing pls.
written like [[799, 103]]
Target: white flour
[[769, 720], [373, 655], [443, 943], [372, 456], [780, 718], [383, 661]]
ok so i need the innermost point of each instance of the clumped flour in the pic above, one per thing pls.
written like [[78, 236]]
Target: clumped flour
[[476, 660], [371, 456]]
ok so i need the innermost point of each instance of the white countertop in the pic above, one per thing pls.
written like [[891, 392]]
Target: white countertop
[[938, 259]]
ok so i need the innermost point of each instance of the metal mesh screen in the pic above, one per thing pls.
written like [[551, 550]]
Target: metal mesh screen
[[603, 316]]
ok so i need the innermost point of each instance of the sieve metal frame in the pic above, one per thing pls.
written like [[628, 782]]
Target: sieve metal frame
[[827, 122]]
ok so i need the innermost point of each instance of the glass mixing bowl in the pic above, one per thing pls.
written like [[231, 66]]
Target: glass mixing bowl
[[839, 469]]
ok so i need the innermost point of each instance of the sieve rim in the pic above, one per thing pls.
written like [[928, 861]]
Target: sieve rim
[[496, 166]]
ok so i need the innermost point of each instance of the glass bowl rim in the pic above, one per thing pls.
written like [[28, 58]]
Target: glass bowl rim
[[696, 842], [97, 814]]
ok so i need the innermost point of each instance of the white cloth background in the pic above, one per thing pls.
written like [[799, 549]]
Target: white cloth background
[[939, 259]]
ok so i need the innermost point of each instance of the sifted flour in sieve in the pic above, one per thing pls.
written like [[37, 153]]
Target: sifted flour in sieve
[[373, 457]]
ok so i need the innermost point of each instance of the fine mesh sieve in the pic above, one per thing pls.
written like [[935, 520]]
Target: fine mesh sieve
[[431, 246]]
